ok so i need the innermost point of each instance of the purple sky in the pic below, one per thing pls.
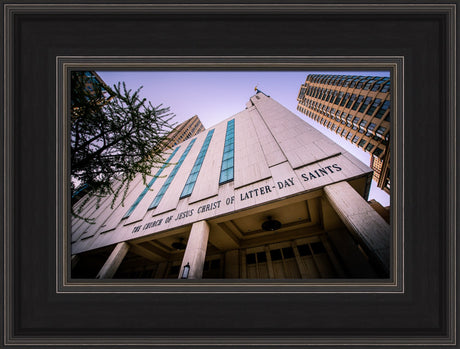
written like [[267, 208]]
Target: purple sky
[[215, 96]]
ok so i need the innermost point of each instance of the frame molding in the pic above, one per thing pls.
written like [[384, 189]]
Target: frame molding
[[13, 335], [64, 65]]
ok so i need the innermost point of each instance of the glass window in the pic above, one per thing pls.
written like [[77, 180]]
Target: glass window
[[361, 143], [261, 257], [251, 258], [381, 130], [226, 171], [316, 92], [374, 106], [368, 84], [304, 250], [369, 147], [345, 99], [385, 106], [288, 252], [171, 176], [301, 93], [147, 188], [355, 139], [363, 81], [318, 247], [358, 102], [377, 152], [333, 95], [354, 82], [190, 184], [341, 81], [386, 87], [367, 101], [376, 86], [350, 102], [339, 98], [349, 80], [275, 255]]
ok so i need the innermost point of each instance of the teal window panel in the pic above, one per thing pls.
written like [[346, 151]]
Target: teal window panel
[[226, 172], [191, 180], [171, 176], [149, 185]]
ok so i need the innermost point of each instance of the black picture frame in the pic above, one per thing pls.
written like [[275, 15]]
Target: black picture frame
[[40, 310]]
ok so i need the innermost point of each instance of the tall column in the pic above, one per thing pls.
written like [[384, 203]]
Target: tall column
[[357, 265], [195, 252], [362, 220], [110, 267]]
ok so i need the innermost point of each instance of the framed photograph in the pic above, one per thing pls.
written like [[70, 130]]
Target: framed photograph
[[245, 223]]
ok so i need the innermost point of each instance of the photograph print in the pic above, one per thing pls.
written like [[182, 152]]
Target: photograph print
[[230, 175]]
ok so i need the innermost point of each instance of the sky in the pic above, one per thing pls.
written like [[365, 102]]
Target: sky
[[217, 95]]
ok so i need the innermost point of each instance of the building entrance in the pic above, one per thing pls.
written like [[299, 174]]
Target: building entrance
[[309, 258]]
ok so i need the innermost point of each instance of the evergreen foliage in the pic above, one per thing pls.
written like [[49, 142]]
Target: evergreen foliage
[[115, 135]]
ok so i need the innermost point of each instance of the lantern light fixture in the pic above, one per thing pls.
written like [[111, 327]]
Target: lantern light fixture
[[271, 224], [186, 271]]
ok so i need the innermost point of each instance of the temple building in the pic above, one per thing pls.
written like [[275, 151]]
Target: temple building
[[356, 108], [261, 195]]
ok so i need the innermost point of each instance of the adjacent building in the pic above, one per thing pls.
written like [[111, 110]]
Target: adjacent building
[[184, 131], [261, 195], [356, 108]]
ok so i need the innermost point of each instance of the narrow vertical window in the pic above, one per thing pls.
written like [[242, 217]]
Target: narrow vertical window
[[171, 176], [147, 188], [226, 171], [188, 188]]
